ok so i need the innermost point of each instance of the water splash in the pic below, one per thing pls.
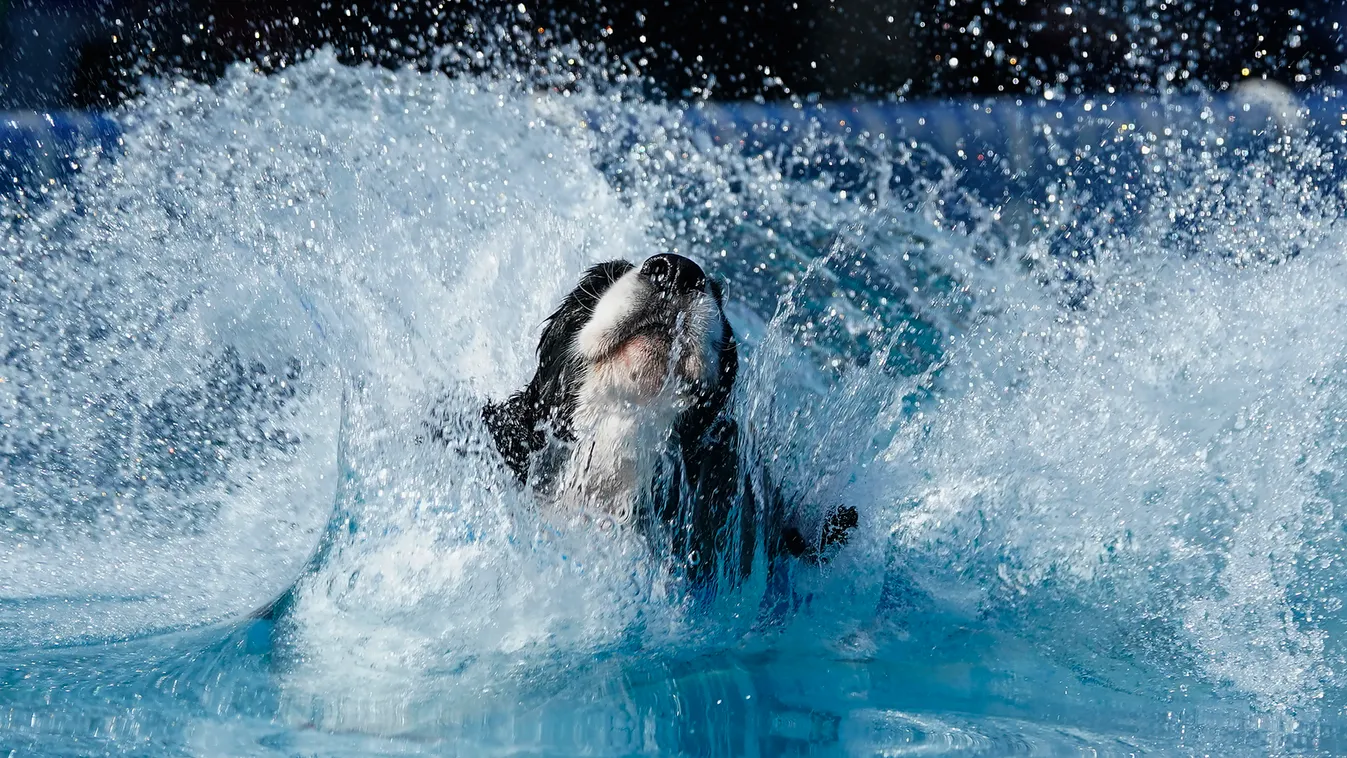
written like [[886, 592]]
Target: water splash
[[1099, 436]]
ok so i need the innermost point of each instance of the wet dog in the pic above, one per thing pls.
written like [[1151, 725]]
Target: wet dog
[[628, 420]]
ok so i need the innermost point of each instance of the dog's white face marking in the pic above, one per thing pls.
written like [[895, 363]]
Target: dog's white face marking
[[614, 307], [643, 354]]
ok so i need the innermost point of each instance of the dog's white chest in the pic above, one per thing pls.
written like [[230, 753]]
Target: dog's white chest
[[617, 447]]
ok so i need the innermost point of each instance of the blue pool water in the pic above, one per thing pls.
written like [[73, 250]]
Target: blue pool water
[[1081, 373]]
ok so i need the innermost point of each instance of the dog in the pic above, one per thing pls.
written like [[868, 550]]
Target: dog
[[628, 421]]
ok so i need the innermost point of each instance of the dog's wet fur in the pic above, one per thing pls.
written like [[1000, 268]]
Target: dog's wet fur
[[627, 421]]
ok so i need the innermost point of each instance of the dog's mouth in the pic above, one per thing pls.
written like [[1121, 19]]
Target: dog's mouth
[[658, 328], [655, 347]]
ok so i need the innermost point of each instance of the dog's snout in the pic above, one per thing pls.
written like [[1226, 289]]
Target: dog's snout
[[674, 273]]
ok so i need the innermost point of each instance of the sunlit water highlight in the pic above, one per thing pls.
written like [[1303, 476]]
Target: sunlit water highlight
[[1093, 428]]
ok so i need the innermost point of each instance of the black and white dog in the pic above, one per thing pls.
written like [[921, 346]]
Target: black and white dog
[[628, 420]]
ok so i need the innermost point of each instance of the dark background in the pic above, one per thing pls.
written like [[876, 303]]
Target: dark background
[[89, 53]]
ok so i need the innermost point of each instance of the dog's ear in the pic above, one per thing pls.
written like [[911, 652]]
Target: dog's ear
[[729, 348], [729, 363], [514, 428], [712, 402]]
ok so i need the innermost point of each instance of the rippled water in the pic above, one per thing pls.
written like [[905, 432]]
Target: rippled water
[[1089, 406]]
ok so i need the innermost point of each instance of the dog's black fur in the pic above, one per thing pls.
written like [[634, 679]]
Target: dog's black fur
[[700, 505]]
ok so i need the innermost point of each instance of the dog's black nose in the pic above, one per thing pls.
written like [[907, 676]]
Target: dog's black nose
[[674, 272]]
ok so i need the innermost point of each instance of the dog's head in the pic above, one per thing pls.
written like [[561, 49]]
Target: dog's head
[[627, 339]]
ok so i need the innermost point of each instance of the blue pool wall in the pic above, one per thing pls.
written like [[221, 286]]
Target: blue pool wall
[[995, 146]]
